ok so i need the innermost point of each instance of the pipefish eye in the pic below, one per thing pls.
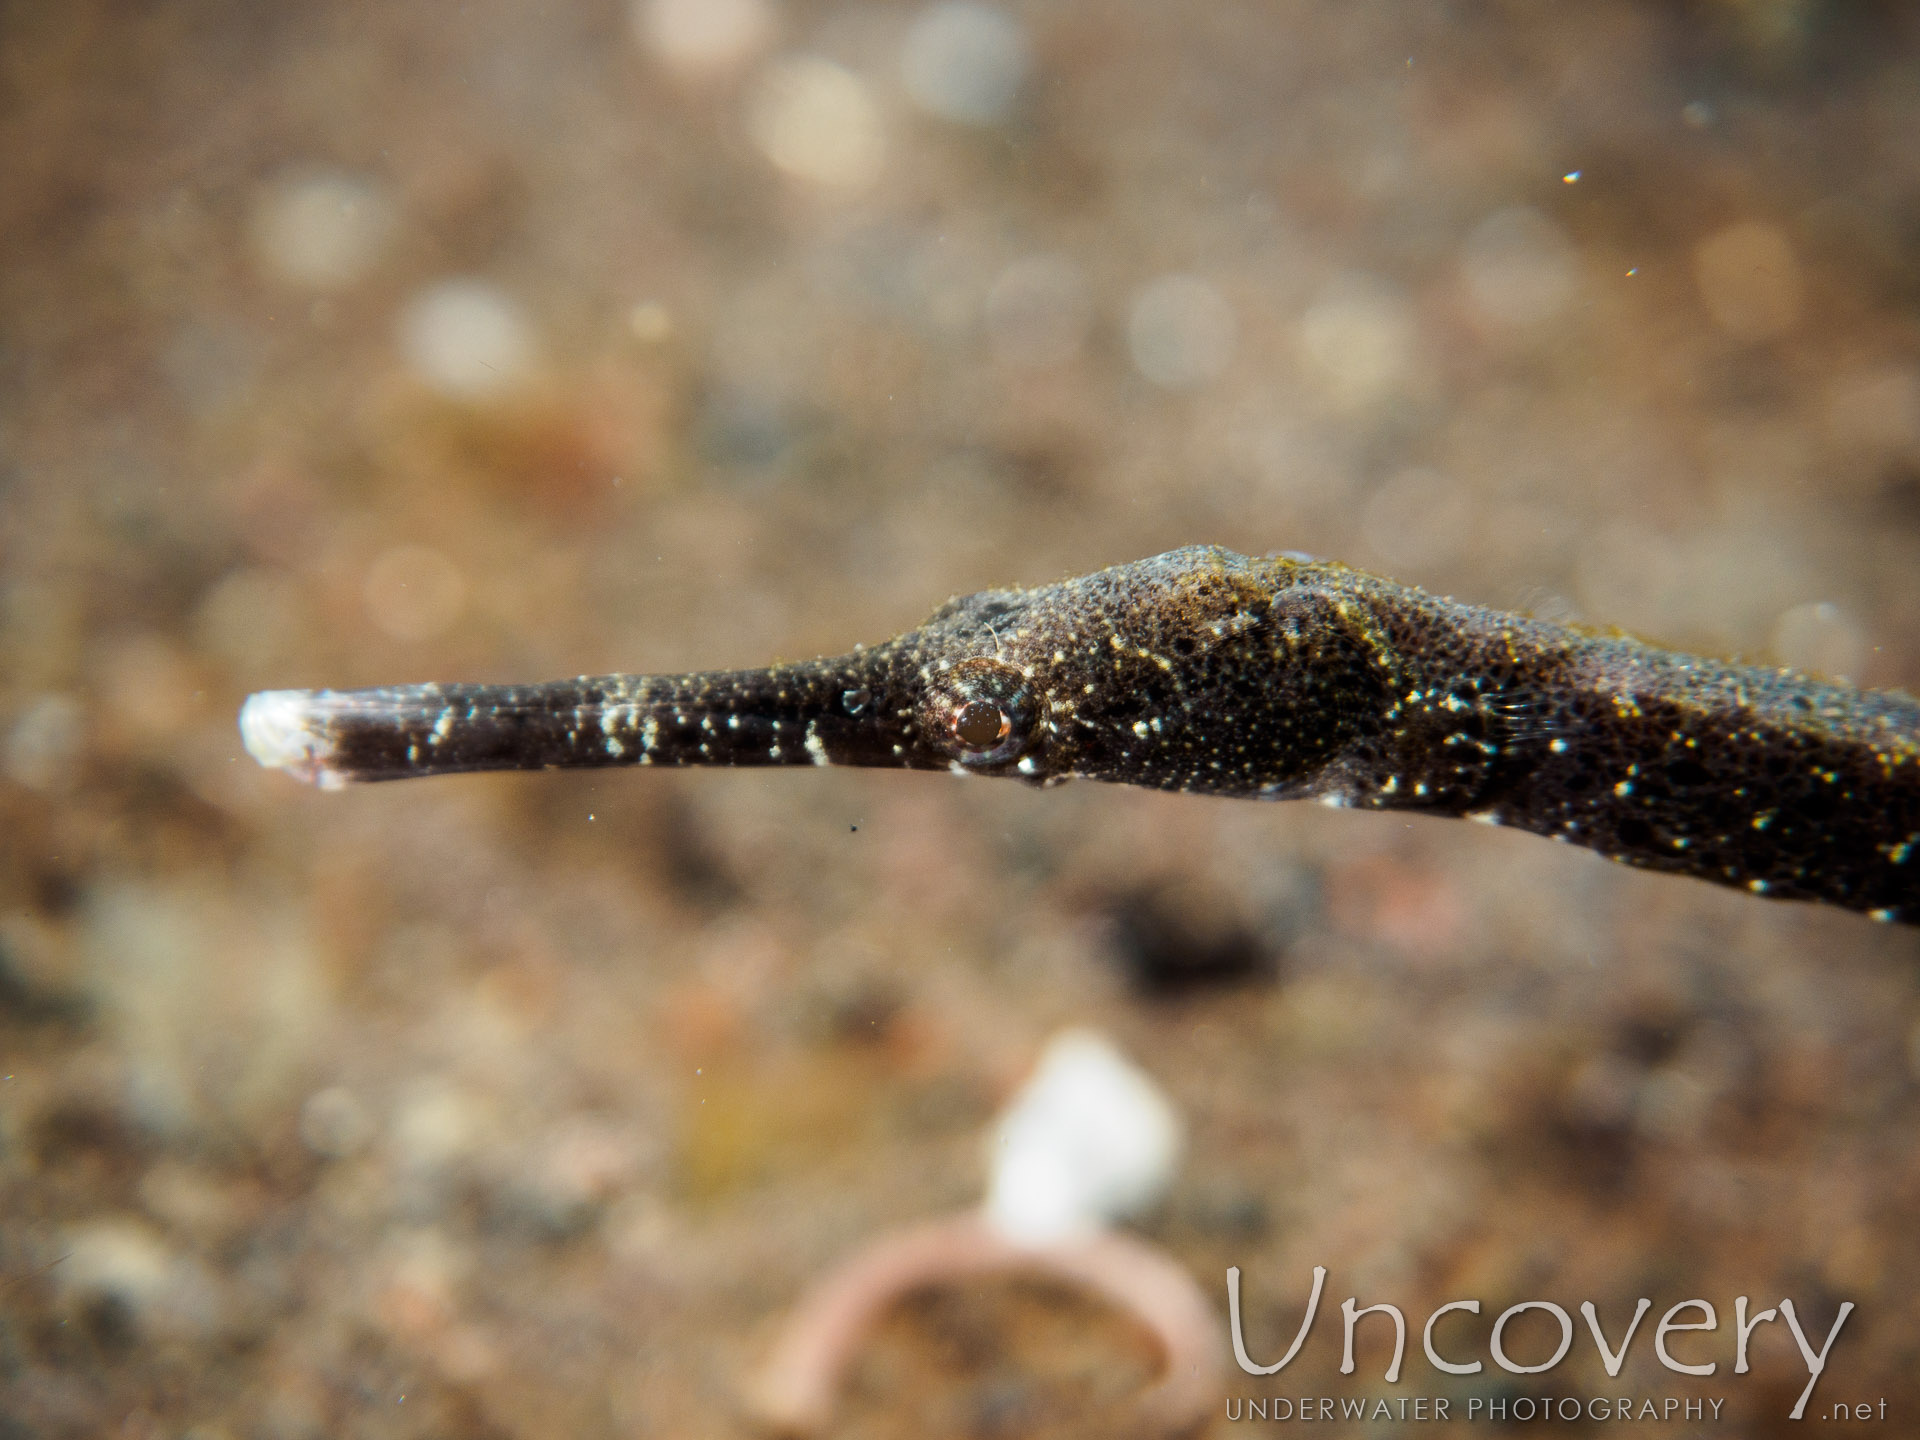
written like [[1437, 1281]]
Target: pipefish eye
[[985, 711], [980, 725]]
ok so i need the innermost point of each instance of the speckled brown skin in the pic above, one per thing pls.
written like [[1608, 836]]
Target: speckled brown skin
[[1283, 678]]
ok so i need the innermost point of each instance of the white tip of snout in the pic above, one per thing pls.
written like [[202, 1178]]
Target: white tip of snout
[[279, 730]]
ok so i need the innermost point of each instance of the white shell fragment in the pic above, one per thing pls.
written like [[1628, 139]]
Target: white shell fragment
[[1090, 1139]]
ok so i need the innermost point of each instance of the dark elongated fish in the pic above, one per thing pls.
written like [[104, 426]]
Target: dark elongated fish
[[1282, 678]]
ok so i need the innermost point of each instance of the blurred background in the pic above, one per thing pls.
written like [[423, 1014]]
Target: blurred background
[[349, 343]]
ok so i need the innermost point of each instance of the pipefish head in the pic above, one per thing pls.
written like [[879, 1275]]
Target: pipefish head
[[1136, 673], [974, 688]]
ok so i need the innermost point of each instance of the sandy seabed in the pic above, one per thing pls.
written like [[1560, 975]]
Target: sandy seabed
[[347, 344]]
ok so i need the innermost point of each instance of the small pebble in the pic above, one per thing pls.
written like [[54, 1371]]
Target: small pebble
[[581, 1163], [1519, 268], [1357, 338], [467, 339], [965, 62], [425, 1271], [436, 1125], [44, 741], [700, 37], [818, 122], [320, 229], [1181, 332], [121, 1264]]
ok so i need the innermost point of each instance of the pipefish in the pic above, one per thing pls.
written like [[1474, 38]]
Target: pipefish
[[1279, 678]]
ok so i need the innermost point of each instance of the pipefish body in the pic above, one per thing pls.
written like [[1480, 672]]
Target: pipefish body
[[1279, 678]]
